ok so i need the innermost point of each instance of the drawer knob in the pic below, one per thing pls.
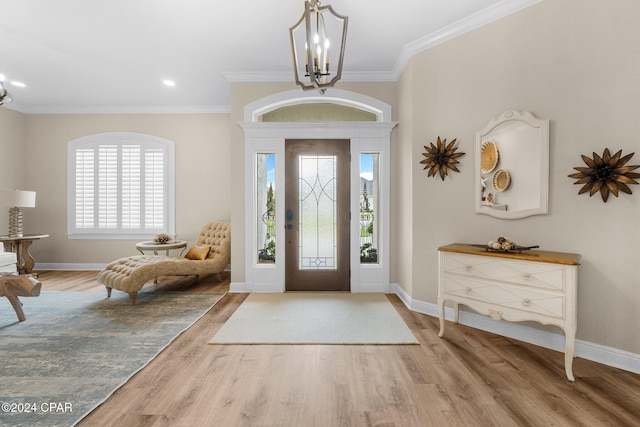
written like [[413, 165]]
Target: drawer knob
[[526, 302], [467, 267], [527, 275], [495, 314], [467, 290]]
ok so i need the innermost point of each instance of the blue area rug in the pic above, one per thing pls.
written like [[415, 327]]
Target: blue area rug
[[76, 348]]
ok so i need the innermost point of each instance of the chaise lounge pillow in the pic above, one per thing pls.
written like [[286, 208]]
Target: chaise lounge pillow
[[198, 252]]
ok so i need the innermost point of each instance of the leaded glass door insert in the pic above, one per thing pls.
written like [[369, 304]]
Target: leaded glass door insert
[[317, 214]]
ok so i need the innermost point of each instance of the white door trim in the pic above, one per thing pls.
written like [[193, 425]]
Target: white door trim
[[270, 138]]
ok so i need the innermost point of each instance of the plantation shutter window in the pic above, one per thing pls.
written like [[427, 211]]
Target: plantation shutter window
[[121, 185], [85, 188], [154, 188], [107, 187]]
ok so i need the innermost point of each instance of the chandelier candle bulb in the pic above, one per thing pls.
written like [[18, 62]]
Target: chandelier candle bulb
[[326, 56]]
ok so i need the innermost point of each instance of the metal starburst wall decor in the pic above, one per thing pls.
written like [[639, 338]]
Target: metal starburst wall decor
[[607, 174], [441, 158]]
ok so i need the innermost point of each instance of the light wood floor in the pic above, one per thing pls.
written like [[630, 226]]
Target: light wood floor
[[467, 378]]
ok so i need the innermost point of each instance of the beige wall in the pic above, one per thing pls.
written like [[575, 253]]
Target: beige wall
[[202, 177], [403, 165], [12, 154], [577, 64]]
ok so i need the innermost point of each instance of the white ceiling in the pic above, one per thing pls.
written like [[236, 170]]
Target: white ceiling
[[112, 55]]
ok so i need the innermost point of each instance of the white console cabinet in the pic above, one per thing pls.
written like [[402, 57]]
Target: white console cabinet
[[540, 286]]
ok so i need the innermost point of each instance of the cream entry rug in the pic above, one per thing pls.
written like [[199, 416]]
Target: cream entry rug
[[315, 318]]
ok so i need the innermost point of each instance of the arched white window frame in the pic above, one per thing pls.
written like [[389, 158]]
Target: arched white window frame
[[381, 110], [365, 137], [118, 139]]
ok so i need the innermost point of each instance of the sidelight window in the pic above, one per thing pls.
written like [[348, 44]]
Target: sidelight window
[[266, 202], [369, 190]]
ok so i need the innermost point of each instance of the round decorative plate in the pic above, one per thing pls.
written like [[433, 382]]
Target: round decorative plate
[[501, 180], [489, 157]]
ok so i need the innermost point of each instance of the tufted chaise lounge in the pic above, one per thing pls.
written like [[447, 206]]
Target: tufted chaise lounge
[[131, 273]]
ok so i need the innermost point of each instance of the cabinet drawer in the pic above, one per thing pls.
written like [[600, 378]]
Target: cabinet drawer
[[523, 299], [535, 274]]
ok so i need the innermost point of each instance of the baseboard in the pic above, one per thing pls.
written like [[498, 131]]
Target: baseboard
[[238, 288], [555, 341], [63, 266], [77, 266], [263, 288]]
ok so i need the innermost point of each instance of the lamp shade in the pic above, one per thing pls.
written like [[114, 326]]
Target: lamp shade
[[18, 198]]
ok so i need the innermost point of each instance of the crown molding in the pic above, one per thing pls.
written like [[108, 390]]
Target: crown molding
[[166, 109], [472, 22]]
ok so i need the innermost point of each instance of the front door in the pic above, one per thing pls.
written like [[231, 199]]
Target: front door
[[317, 215]]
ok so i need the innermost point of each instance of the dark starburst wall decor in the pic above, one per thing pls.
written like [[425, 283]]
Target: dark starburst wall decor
[[607, 174], [441, 158]]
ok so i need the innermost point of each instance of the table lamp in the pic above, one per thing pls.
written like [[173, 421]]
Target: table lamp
[[16, 200]]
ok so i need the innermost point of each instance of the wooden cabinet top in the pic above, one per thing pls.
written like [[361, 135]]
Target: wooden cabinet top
[[529, 255]]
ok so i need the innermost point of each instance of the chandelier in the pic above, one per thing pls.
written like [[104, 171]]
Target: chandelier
[[314, 38], [5, 97]]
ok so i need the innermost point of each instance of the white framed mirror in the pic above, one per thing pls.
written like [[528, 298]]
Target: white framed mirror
[[512, 166]]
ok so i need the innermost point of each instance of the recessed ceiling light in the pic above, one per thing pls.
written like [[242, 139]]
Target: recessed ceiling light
[[170, 83], [18, 84]]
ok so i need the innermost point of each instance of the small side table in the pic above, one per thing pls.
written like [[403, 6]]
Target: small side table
[[166, 247], [20, 246]]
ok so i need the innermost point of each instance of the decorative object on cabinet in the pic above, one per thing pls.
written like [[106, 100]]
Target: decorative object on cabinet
[[513, 248], [607, 174], [504, 244], [519, 142], [538, 286], [441, 158]]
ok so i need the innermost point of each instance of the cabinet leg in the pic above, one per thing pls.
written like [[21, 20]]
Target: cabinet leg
[[569, 352], [441, 317]]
